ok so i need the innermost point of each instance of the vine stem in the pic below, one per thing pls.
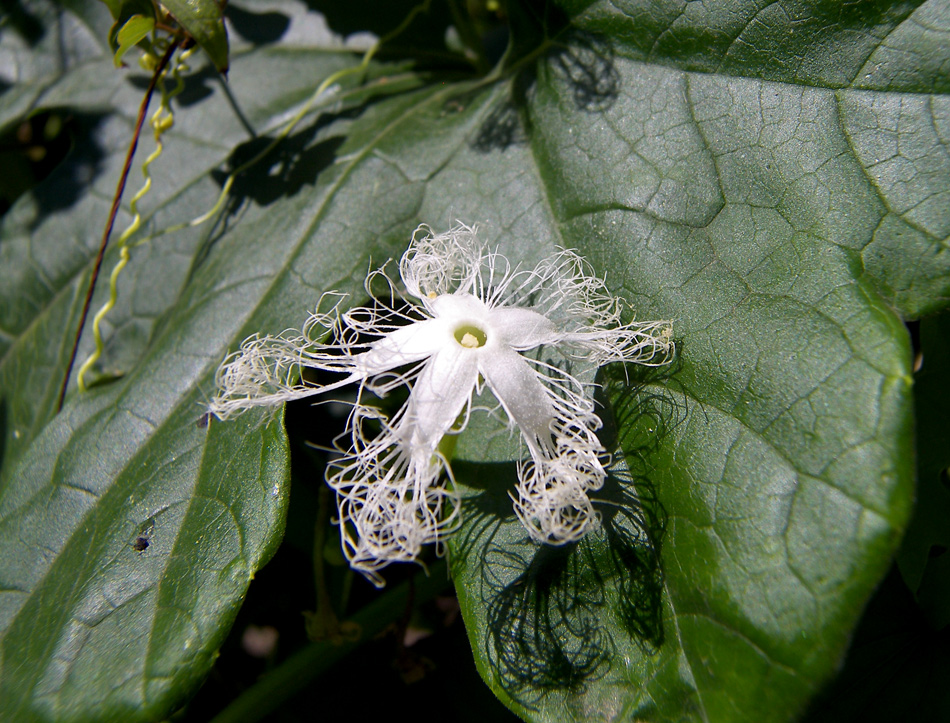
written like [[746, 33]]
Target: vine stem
[[116, 200]]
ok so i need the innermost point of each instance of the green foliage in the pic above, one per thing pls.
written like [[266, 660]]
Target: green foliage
[[774, 180], [136, 29], [203, 20]]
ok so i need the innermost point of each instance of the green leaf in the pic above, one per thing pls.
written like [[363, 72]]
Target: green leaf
[[111, 585], [137, 28], [716, 165], [871, 75], [204, 21]]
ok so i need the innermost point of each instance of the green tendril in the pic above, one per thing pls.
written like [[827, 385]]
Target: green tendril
[[162, 120]]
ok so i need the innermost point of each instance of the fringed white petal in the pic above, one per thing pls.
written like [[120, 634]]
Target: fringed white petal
[[523, 329], [405, 345], [390, 501], [437, 264], [558, 425], [518, 388], [392, 497], [265, 371], [648, 343], [439, 396]]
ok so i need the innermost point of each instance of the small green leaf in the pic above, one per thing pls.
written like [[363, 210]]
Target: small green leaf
[[135, 29], [204, 21]]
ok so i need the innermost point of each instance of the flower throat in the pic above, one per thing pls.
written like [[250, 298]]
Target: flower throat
[[471, 337]]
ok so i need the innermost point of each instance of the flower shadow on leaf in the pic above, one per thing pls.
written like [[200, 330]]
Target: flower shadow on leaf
[[553, 614], [582, 61], [585, 62]]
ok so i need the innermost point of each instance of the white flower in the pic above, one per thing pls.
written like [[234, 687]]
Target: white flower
[[468, 325]]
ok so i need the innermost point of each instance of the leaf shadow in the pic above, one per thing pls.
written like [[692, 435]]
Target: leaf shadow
[[74, 175], [259, 28], [380, 18], [283, 171], [581, 61], [295, 162], [195, 85], [22, 21]]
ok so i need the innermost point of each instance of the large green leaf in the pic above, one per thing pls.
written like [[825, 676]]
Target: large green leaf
[[772, 179]]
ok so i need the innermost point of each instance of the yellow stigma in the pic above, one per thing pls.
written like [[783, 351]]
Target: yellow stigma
[[471, 337]]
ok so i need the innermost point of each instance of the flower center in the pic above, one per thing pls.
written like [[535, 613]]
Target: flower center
[[471, 337]]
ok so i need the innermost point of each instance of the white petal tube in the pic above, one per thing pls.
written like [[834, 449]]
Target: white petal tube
[[438, 397]]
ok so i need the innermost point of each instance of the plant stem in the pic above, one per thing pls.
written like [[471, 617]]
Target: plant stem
[[470, 37], [116, 200], [298, 671], [235, 107], [323, 623]]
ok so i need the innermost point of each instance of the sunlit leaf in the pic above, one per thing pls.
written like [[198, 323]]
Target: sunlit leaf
[[135, 29], [772, 180]]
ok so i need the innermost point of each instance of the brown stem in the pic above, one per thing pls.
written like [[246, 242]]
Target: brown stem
[[117, 199]]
